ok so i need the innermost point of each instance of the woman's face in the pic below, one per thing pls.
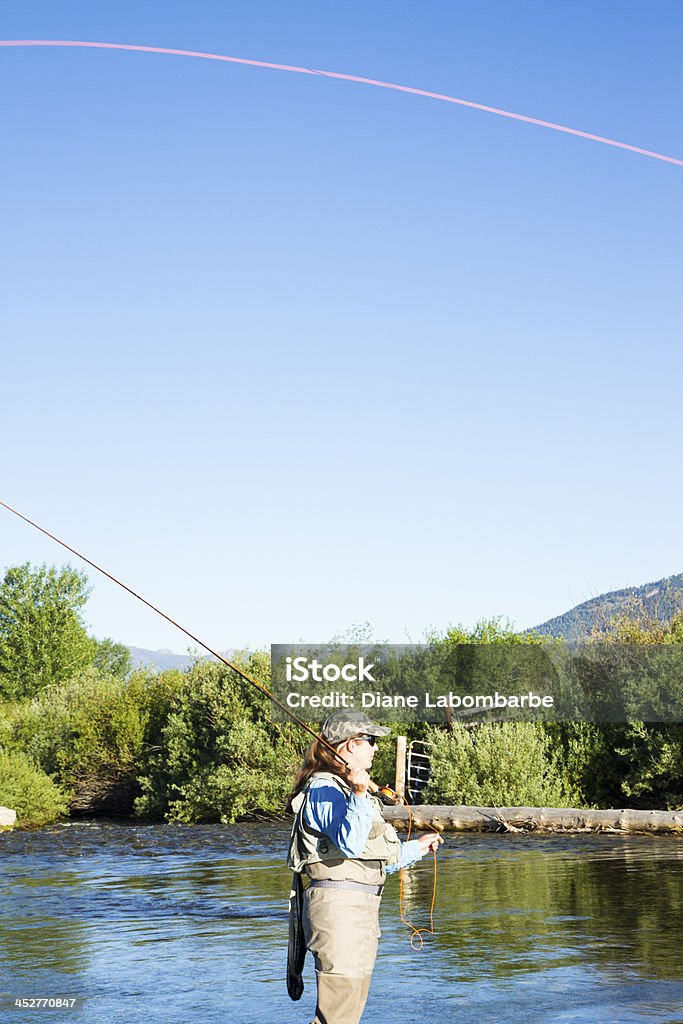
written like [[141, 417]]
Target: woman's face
[[360, 752]]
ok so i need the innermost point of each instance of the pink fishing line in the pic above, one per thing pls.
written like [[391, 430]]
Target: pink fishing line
[[347, 78]]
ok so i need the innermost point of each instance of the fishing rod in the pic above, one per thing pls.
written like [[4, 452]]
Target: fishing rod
[[373, 787]]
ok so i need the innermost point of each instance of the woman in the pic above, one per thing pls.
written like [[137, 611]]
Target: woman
[[342, 843]]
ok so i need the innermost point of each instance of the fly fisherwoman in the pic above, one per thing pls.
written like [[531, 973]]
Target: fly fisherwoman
[[341, 842]]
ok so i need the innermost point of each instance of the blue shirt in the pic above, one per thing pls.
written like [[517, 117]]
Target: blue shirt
[[348, 822]]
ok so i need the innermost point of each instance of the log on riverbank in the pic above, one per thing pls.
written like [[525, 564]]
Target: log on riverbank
[[535, 819]]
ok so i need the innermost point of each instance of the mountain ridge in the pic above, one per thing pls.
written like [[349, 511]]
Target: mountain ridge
[[659, 601], [164, 659]]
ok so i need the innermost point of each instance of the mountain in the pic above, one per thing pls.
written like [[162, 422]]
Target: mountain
[[163, 659], [160, 660], [659, 601]]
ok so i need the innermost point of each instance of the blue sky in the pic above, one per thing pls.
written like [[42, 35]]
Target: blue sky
[[289, 354]]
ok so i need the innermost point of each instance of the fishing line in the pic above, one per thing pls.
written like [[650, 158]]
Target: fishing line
[[358, 79], [417, 934]]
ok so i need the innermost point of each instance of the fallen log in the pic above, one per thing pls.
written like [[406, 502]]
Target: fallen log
[[535, 819]]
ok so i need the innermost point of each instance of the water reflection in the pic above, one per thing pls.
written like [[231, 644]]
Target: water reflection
[[157, 923], [621, 900]]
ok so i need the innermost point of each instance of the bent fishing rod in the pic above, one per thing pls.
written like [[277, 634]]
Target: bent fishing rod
[[216, 654]]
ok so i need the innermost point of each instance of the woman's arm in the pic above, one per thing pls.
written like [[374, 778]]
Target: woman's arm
[[414, 850], [346, 822]]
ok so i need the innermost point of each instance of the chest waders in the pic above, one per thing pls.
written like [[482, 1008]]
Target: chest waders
[[336, 915]]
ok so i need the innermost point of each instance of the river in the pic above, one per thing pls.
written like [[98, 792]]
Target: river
[[164, 923]]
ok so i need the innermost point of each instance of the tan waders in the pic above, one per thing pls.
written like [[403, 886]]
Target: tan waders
[[341, 927], [341, 908]]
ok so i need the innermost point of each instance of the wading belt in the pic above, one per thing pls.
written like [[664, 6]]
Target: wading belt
[[330, 883]]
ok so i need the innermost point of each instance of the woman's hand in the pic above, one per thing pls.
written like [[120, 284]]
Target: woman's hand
[[359, 780], [429, 841]]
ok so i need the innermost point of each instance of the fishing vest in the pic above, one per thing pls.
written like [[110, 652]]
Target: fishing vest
[[319, 857]]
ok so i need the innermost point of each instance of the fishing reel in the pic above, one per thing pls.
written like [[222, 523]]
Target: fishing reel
[[386, 794]]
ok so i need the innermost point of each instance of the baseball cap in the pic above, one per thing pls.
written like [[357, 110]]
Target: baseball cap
[[342, 725]]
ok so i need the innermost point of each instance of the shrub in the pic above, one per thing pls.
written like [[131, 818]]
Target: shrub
[[29, 791], [649, 754], [89, 733], [218, 755], [652, 759], [494, 765]]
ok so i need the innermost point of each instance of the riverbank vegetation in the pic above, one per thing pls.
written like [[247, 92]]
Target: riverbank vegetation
[[80, 733], [190, 746]]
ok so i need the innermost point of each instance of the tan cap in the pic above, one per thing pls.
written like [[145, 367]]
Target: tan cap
[[342, 725]]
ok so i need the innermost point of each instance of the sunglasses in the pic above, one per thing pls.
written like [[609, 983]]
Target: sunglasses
[[372, 740]]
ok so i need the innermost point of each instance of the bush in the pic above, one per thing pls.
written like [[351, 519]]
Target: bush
[[90, 734], [495, 765], [218, 755], [652, 759], [29, 791], [191, 747], [648, 755], [590, 767]]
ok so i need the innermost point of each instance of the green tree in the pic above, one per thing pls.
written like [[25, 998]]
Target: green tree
[[43, 640], [112, 659]]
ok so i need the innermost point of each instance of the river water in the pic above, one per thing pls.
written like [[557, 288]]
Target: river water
[[162, 923]]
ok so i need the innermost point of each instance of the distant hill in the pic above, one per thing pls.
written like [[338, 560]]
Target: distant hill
[[160, 661], [660, 601]]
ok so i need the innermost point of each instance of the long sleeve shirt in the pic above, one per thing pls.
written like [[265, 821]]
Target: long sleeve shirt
[[348, 822]]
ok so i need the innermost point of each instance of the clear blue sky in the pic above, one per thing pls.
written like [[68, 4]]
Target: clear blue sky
[[289, 354]]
